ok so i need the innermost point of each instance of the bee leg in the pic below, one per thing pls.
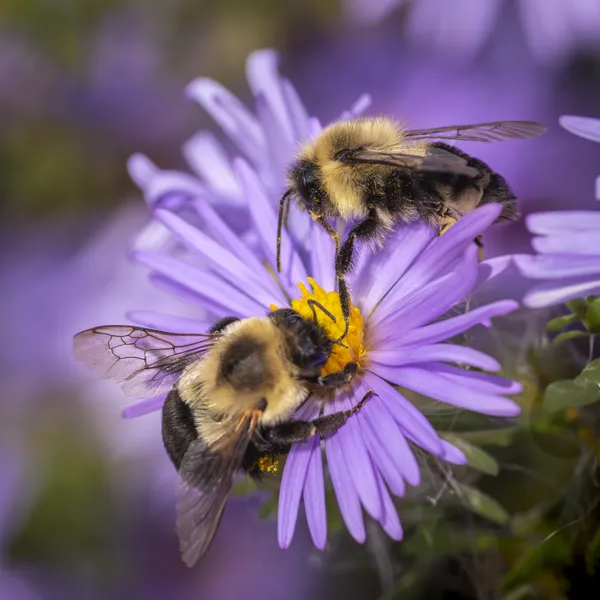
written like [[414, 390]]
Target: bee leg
[[339, 378], [344, 261], [298, 431], [330, 230]]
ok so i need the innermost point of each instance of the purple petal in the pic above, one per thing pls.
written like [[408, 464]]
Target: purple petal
[[444, 250], [144, 407], [445, 389], [389, 519], [202, 283], [585, 127], [584, 242], [437, 352], [559, 292], [483, 382], [141, 170], [175, 188], [557, 267], [298, 115], [452, 454], [207, 157], [563, 220], [345, 490], [232, 116], [376, 417], [360, 105], [492, 267], [386, 270], [323, 258], [228, 265], [172, 323], [430, 301], [263, 77], [219, 230], [314, 498], [405, 413], [357, 459], [443, 330], [292, 484], [265, 222]]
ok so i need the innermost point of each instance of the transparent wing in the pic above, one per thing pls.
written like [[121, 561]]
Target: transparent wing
[[146, 362], [207, 474], [481, 132], [436, 160]]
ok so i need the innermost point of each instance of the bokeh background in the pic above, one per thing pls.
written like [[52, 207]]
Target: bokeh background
[[86, 497]]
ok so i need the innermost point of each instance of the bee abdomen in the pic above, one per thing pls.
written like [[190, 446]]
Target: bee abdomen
[[178, 428]]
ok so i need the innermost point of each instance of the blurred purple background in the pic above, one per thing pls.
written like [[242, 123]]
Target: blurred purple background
[[86, 497]]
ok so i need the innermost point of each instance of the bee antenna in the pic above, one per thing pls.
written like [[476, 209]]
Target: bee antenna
[[287, 194]]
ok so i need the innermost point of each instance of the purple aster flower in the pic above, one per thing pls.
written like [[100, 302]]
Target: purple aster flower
[[552, 30], [399, 295], [566, 242]]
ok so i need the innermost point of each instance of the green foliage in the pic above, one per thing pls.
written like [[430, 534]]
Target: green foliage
[[565, 394], [476, 457]]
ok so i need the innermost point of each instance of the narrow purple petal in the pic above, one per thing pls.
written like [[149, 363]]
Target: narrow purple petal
[[357, 459], [345, 490], [265, 221], [219, 230], [141, 170], [383, 463], [445, 389], [292, 484], [585, 243], [360, 105], [298, 115], [389, 519], [376, 417], [408, 416], [559, 292], [452, 454], [262, 71], [314, 497], [228, 265], [144, 407], [232, 116], [323, 258], [406, 245], [207, 157], [202, 283], [444, 250], [557, 267], [585, 127], [493, 267], [163, 322], [430, 301], [560, 221], [443, 330], [483, 382], [174, 187], [442, 352]]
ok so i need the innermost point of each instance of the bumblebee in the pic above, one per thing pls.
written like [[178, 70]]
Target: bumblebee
[[375, 173], [232, 395]]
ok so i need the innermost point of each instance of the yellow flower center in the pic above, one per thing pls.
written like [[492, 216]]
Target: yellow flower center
[[353, 349], [267, 464]]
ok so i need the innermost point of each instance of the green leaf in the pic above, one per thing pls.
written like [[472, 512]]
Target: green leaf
[[592, 316], [561, 395], [476, 457], [578, 307], [568, 335], [591, 373], [560, 322], [490, 437], [482, 504]]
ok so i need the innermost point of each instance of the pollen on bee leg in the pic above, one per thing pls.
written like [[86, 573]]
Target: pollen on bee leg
[[447, 222], [267, 464], [326, 308]]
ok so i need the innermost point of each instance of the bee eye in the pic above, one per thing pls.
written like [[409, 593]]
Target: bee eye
[[305, 184]]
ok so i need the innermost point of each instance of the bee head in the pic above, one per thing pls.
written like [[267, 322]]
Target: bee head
[[307, 183], [307, 343]]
